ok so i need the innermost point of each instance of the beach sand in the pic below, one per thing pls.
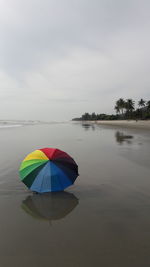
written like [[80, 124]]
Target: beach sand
[[140, 124], [102, 220]]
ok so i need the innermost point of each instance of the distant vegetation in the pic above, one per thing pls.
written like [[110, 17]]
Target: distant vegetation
[[125, 110]]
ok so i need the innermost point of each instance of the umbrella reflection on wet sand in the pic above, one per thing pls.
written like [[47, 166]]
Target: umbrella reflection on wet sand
[[50, 206]]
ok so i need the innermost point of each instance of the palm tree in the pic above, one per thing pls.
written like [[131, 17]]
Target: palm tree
[[120, 105], [117, 109], [148, 104], [148, 108], [141, 103], [129, 104]]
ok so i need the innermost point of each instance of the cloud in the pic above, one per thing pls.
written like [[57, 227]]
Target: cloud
[[63, 57]]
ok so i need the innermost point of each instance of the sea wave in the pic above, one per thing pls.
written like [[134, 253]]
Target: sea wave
[[16, 123], [21, 123], [10, 126]]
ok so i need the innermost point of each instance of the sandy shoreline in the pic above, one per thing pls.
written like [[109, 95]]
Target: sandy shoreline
[[145, 125]]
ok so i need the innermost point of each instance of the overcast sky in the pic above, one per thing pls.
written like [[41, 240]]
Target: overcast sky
[[61, 58]]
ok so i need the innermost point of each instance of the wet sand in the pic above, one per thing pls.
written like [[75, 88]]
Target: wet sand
[[140, 124], [102, 220]]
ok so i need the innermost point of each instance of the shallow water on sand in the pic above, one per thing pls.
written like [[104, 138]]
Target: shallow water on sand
[[102, 220]]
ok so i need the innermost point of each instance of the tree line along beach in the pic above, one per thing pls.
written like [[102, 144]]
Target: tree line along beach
[[127, 115]]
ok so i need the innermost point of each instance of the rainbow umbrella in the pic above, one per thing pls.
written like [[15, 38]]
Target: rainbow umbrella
[[48, 170]]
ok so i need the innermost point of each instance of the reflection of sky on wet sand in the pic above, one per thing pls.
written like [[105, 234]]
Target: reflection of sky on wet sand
[[136, 147], [50, 206], [111, 224]]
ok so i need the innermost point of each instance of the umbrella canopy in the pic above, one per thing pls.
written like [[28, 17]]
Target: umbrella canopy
[[54, 206], [48, 170]]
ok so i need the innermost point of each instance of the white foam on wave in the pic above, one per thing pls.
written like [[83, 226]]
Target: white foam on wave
[[21, 123], [15, 123], [10, 126]]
